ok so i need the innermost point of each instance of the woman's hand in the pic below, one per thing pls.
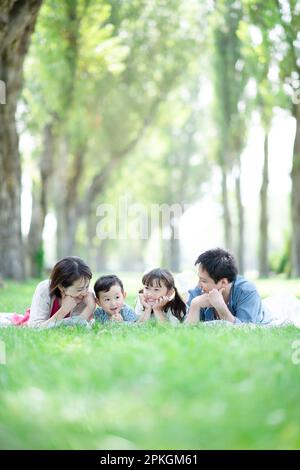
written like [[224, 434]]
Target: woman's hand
[[90, 301], [67, 303]]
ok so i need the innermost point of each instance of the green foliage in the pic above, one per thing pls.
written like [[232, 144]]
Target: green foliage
[[39, 259], [280, 261]]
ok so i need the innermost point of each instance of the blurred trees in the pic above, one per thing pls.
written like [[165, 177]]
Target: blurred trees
[[113, 105], [17, 20]]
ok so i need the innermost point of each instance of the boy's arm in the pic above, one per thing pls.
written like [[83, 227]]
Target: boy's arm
[[129, 315]]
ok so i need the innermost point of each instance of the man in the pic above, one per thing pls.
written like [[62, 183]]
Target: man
[[222, 294]]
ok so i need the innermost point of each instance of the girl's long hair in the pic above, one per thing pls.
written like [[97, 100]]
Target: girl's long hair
[[163, 277]]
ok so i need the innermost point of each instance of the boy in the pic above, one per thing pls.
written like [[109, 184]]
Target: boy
[[110, 296], [222, 294]]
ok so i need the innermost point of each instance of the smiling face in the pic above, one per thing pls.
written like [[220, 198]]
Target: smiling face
[[154, 291], [113, 300], [77, 290], [207, 283]]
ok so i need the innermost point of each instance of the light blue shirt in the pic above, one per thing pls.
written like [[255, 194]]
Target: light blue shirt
[[244, 303], [126, 312]]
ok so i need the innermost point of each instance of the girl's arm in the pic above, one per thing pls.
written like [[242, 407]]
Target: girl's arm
[[142, 310], [144, 316], [158, 308]]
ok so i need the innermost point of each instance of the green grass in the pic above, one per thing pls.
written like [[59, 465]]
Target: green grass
[[147, 386]]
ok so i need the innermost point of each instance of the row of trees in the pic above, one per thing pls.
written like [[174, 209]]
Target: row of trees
[[112, 101]]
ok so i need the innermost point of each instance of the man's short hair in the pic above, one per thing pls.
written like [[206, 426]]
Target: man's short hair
[[219, 264]]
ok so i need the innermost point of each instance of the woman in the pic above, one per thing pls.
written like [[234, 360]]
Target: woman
[[62, 299]]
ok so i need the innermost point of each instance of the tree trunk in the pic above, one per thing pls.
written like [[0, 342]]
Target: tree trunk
[[67, 221], [226, 211], [263, 225], [101, 256], [241, 221], [17, 20], [35, 236], [174, 254], [40, 205], [296, 197]]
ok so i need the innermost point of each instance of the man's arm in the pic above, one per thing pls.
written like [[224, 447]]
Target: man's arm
[[193, 315], [217, 301]]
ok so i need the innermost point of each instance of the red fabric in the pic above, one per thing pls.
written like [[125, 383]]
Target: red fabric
[[20, 319], [55, 307], [23, 319]]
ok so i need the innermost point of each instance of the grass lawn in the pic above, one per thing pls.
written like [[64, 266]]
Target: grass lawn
[[148, 386]]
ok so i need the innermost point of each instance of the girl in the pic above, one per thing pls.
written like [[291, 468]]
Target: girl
[[159, 298], [62, 299]]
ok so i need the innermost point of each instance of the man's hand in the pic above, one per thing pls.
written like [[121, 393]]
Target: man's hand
[[216, 298], [201, 301]]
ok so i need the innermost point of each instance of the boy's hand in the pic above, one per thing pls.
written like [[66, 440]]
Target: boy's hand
[[117, 317]]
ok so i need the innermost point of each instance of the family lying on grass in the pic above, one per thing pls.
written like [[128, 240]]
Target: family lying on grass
[[221, 294]]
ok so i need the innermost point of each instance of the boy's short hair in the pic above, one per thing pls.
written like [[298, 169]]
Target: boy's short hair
[[104, 283], [219, 264]]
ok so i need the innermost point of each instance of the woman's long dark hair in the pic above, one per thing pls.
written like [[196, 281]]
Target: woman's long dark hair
[[66, 271], [163, 277]]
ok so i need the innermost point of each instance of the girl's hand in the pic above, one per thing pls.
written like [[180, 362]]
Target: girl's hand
[[144, 303], [161, 303]]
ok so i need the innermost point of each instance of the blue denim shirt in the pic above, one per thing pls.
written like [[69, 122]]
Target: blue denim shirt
[[244, 303], [126, 312]]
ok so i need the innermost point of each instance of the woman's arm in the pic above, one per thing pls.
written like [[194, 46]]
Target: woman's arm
[[40, 305], [67, 305], [90, 305]]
